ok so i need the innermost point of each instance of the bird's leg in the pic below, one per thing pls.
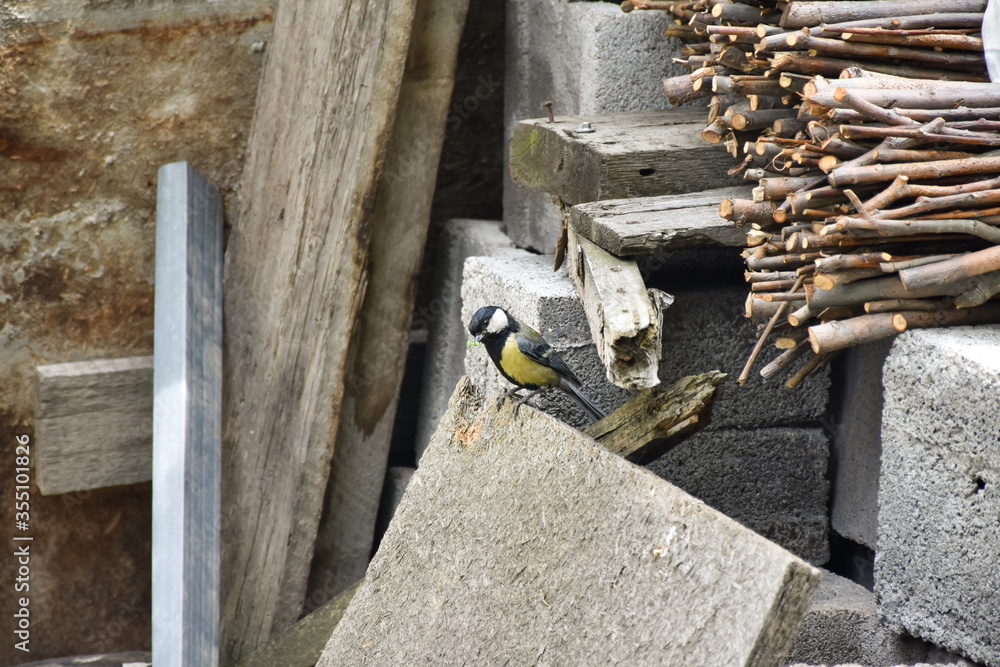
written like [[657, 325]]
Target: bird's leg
[[525, 399], [510, 392]]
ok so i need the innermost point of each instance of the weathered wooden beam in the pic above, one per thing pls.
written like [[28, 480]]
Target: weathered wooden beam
[[187, 418], [625, 318], [639, 154], [94, 424], [648, 224], [657, 419], [294, 285], [381, 338], [303, 644]]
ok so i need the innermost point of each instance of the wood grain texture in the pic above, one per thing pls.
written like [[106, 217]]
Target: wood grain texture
[[648, 224], [636, 154], [625, 323], [94, 424], [380, 341], [295, 283]]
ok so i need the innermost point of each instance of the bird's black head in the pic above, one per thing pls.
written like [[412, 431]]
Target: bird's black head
[[491, 321]]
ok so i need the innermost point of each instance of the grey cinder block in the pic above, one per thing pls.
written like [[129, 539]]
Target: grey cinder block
[[936, 567], [522, 542], [856, 442], [584, 57], [772, 480], [447, 334]]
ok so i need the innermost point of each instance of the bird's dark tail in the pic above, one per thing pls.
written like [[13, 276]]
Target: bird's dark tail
[[581, 399]]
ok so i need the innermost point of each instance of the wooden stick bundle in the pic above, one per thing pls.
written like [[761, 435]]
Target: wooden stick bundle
[[878, 199]]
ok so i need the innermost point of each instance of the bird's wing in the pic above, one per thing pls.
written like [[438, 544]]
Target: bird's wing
[[536, 349]]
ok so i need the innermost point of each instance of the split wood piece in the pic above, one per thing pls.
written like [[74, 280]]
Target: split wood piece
[[639, 154], [626, 321], [982, 291], [881, 289], [949, 270], [946, 19], [827, 66], [830, 279], [942, 96], [783, 360], [947, 135], [911, 155], [73, 401], [869, 260], [302, 644], [899, 265], [757, 120], [657, 419], [852, 175], [986, 314], [680, 91], [838, 334], [901, 188], [745, 374], [187, 418], [380, 338], [817, 362], [747, 211], [758, 310], [841, 116], [643, 225], [962, 200], [881, 228], [854, 50], [800, 14], [893, 305], [959, 42], [746, 85], [327, 121]]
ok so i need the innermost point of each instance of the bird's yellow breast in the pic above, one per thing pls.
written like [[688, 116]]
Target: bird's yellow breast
[[523, 370]]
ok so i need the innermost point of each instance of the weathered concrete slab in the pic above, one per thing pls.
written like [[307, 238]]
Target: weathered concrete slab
[[442, 317], [587, 58], [856, 442], [772, 480], [521, 541], [526, 286], [936, 573]]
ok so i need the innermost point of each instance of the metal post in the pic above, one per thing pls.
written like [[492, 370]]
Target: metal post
[[187, 419]]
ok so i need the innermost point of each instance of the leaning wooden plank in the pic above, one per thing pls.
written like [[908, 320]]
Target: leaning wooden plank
[[644, 225], [303, 644], [651, 423], [640, 154], [187, 418], [520, 537], [380, 340], [295, 265], [626, 320], [94, 424]]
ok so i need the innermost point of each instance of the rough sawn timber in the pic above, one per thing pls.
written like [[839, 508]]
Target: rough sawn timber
[[635, 154], [294, 285], [626, 319], [381, 338], [644, 225]]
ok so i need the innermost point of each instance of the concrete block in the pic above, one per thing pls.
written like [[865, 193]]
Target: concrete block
[[842, 626], [447, 332], [772, 480], [397, 478], [705, 330], [520, 541], [525, 285], [587, 58], [856, 442], [936, 573]]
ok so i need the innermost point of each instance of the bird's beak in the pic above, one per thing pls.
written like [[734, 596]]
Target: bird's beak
[[479, 338]]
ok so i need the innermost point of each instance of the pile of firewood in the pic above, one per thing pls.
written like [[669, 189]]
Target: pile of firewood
[[871, 129]]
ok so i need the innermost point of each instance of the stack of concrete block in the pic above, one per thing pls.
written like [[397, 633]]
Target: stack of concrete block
[[584, 57], [856, 442], [936, 566]]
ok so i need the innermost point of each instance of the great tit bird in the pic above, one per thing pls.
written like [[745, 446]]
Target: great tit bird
[[523, 357]]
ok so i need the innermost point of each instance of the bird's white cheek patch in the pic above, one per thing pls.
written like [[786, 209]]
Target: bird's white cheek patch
[[498, 322]]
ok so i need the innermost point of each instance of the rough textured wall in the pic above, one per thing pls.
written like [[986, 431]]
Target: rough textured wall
[[94, 97]]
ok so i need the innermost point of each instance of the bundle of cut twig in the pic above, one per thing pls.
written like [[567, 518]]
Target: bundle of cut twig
[[878, 198]]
